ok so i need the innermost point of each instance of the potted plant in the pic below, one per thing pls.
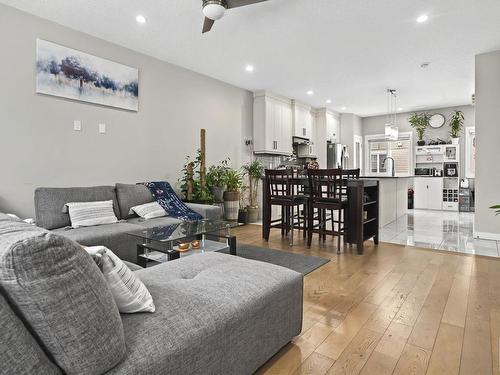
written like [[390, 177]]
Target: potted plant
[[419, 122], [254, 171], [216, 179], [456, 122], [231, 196]]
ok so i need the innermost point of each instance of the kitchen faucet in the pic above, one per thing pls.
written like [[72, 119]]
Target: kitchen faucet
[[393, 169]]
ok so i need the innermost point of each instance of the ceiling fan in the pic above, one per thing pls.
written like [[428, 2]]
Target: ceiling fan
[[214, 10]]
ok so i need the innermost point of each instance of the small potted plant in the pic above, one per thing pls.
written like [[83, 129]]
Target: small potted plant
[[254, 171], [419, 122], [234, 182], [216, 179], [243, 211], [456, 122]]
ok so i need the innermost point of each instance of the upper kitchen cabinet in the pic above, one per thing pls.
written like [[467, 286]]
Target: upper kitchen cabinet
[[302, 120], [272, 124]]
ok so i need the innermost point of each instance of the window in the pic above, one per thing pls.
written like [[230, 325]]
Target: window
[[358, 151], [380, 149]]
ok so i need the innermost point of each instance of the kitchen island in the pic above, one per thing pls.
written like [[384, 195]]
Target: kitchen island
[[393, 197]]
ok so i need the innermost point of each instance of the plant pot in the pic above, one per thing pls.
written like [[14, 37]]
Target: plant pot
[[243, 216], [253, 214], [455, 141], [218, 193], [421, 143], [231, 205]]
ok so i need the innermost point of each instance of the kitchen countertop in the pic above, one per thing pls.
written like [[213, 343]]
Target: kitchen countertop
[[377, 177]]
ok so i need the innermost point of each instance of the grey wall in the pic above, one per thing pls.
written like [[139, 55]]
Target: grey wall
[[487, 143], [376, 125], [38, 146], [350, 125]]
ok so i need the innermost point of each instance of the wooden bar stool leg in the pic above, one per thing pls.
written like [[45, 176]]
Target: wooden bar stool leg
[[290, 242], [310, 224], [338, 240]]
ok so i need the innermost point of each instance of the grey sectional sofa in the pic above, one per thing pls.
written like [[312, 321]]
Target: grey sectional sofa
[[49, 211], [215, 313]]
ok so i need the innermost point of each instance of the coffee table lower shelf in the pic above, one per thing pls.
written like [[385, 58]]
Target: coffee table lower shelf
[[147, 253]]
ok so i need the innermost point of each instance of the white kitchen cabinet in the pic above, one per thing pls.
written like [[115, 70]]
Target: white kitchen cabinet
[[272, 130], [332, 128], [428, 193], [302, 120]]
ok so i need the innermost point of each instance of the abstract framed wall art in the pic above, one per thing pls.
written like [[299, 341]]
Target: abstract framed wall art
[[72, 74]]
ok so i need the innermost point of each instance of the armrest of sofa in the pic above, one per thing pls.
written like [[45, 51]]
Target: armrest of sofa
[[207, 211]]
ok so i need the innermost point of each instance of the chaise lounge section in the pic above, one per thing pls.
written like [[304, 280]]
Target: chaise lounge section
[[215, 313]]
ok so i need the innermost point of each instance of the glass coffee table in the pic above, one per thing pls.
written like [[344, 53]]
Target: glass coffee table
[[160, 244]]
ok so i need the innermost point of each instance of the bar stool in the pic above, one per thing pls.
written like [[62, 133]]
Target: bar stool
[[326, 195], [282, 192]]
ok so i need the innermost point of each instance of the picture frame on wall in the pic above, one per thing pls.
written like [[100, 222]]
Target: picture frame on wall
[[68, 73]]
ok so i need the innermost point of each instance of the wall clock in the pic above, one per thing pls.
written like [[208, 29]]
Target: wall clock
[[437, 120]]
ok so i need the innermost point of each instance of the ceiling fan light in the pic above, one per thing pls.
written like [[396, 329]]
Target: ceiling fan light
[[214, 10]]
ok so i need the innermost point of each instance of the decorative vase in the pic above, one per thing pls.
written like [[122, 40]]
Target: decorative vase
[[421, 142], [218, 193], [253, 214], [231, 205], [455, 141]]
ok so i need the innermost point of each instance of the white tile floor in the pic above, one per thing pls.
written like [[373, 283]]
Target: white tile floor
[[443, 230]]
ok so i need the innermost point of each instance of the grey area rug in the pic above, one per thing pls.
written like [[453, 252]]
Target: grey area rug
[[296, 262]]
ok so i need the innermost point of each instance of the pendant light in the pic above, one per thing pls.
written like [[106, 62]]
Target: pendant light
[[391, 127]]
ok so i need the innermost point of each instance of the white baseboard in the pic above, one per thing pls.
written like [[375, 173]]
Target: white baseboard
[[487, 236]]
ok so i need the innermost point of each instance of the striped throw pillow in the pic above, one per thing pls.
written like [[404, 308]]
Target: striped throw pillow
[[86, 214], [148, 210], [129, 292]]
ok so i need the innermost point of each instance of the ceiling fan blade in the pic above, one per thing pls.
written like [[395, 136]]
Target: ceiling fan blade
[[207, 25], [240, 3]]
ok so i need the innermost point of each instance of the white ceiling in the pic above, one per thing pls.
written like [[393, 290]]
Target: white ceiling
[[349, 51]]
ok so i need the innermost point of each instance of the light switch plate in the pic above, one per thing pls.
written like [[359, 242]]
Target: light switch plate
[[77, 125], [102, 128]]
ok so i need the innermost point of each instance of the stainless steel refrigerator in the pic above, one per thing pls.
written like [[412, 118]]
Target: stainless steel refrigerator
[[336, 155]]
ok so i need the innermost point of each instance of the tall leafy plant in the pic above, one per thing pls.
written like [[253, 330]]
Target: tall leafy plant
[[419, 122], [456, 122], [191, 186], [254, 171]]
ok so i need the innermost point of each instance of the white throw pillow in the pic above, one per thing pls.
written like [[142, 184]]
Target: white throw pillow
[[149, 210], [86, 214], [129, 292]]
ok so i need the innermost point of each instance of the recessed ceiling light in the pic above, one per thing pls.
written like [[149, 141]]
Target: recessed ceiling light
[[328, 101], [140, 19], [400, 109], [310, 92], [343, 108], [249, 68], [423, 18]]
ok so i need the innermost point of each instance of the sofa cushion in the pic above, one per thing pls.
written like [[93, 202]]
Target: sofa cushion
[[130, 293], [19, 351], [221, 315], [62, 296], [49, 203], [113, 236], [130, 195], [88, 214], [206, 210]]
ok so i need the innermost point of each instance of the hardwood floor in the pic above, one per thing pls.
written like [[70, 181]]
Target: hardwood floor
[[394, 310]]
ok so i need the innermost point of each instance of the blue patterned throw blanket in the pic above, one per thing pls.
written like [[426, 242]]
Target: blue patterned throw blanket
[[163, 193]]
